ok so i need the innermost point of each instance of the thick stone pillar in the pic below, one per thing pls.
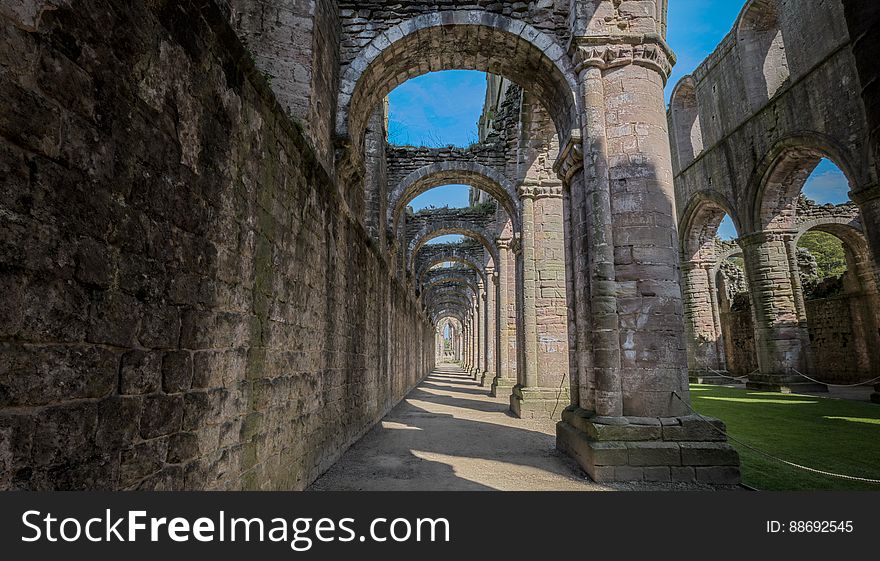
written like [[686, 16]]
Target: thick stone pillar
[[703, 329], [782, 341], [477, 366], [491, 326], [863, 21], [466, 343], [504, 381], [633, 420], [483, 367], [542, 389]]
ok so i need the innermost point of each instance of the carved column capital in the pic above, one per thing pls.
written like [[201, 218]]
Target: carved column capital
[[516, 245], [604, 52], [540, 190], [570, 160], [504, 244], [756, 238]]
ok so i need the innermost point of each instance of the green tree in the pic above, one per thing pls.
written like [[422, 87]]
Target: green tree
[[828, 252]]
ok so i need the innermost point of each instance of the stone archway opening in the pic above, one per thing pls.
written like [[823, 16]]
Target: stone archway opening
[[838, 284], [786, 354], [460, 39], [717, 304]]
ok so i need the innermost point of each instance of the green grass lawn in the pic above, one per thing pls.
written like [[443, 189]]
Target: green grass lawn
[[828, 434]]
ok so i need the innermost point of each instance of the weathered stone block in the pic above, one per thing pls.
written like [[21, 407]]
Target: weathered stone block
[[177, 372], [708, 454], [718, 475], [653, 454], [140, 372], [161, 415], [684, 474], [118, 421], [182, 447], [695, 429]]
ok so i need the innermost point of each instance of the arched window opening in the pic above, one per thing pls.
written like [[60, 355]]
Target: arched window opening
[[686, 122], [762, 52]]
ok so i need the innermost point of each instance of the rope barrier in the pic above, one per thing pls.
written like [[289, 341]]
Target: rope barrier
[[771, 456], [867, 383], [717, 373], [559, 395]]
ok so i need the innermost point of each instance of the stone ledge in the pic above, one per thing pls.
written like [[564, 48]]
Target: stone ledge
[[504, 384], [485, 378], [680, 449], [709, 379], [533, 403], [783, 384]]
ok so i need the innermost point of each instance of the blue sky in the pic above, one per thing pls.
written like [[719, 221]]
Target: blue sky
[[443, 107]]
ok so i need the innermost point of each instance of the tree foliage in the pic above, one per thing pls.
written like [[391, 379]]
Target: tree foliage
[[828, 252]]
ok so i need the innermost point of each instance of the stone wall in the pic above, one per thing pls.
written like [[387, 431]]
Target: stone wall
[[186, 302], [738, 331], [818, 107], [293, 43], [363, 20], [832, 337], [403, 160]]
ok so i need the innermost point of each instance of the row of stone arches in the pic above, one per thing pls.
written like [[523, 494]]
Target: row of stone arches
[[776, 341], [586, 274]]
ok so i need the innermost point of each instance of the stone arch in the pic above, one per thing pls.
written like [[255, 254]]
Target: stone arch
[[859, 304], [452, 257], [686, 128], [781, 176], [460, 285], [702, 217], [473, 174], [449, 295], [458, 278], [761, 47], [459, 39], [439, 314], [451, 227], [707, 354]]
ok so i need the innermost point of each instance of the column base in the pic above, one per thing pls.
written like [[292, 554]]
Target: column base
[[709, 379], [475, 374], [783, 383], [538, 403], [680, 449], [502, 387], [485, 378]]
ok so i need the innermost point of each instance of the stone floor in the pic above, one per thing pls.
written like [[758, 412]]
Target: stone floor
[[450, 435]]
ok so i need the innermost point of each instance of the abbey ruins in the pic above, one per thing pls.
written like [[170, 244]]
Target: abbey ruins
[[211, 278]]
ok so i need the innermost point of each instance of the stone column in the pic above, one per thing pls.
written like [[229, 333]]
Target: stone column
[[790, 239], [503, 382], [633, 420], [868, 199], [702, 328], [483, 366], [477, 368], [529, 375], [720, 351], [466, 343], [470, 337], [781, 337], [542, 389], [491, 326]]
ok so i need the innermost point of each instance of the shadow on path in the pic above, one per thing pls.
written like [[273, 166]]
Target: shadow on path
[[450, 435]]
